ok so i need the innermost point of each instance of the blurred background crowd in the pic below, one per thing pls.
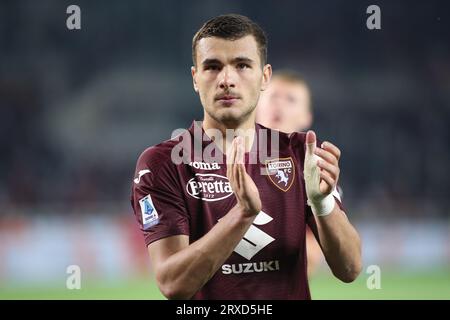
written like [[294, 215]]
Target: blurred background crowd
[[78, 107]]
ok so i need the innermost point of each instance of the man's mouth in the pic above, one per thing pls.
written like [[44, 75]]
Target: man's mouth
[[276, 119], [227, 97]]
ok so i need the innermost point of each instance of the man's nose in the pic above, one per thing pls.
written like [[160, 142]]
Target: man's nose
[[227, 78], [276, 105]]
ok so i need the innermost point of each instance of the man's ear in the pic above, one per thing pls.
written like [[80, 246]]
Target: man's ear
[[267, 74], [194, 82]]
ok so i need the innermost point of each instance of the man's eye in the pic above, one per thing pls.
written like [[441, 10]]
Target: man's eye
[[243, 66]]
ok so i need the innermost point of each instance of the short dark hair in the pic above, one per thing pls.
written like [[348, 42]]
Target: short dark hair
[[231, 27]]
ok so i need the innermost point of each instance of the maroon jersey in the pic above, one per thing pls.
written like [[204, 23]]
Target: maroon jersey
[[189, 198]]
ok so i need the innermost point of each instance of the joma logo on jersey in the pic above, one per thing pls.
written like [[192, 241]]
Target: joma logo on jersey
[[205, 165], [255, 239], [281, 172], [209, 187]]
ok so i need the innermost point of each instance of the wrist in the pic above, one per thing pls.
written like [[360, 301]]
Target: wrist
[[243, 214], [322, 207]]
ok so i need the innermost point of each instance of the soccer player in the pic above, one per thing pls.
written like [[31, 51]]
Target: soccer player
[[286, 106], [221, 229]]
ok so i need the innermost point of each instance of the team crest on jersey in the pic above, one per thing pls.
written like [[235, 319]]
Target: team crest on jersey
[[281, 172]]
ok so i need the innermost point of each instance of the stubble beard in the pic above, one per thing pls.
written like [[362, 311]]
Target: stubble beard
[[230, 119]]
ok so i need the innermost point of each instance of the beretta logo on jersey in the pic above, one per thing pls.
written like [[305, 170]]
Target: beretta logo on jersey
[[281, 172], [209, 187]]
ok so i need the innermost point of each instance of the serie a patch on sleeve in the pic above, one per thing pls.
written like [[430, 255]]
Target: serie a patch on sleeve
[[149, 214]]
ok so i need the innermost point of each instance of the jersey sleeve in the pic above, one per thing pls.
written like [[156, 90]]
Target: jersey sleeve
[[157, 199]]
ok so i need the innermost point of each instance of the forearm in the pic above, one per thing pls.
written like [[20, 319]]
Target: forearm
[[186, 271], [340, 244]]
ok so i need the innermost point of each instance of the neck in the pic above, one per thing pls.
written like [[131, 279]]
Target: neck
[[231, 129]]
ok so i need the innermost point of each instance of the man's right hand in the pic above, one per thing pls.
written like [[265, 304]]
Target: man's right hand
[[245, 190], [182, 268]]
